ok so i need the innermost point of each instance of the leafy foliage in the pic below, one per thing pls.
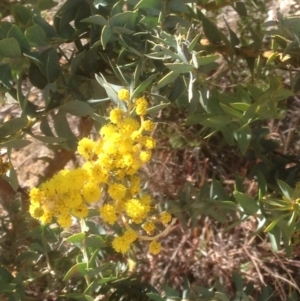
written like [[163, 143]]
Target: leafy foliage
[[226, 82]]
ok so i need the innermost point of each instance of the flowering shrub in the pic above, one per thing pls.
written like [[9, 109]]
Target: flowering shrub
[[112, 166], [224, 79]]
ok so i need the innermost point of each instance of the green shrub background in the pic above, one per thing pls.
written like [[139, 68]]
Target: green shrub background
[[222, 84]]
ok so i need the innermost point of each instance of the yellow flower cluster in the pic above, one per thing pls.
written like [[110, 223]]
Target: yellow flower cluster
[[112, 166]]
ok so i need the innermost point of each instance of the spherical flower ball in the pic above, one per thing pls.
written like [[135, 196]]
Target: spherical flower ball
[[110, 147], [108, 130], [47, 217], [148, 125], [165, 217], [35, 194], [65, 220], [86, 147], [154, 247], [136, 135], [130, 235], [91, 192], [141, 106], [125, 145], [71, 200], [141, 110], [116, 191], [119, 174], [145, 156], [121, 244], [97, 172], [136, 210], [149, 142], [80, 211], [116, 115], [76, 178], [141, 101], [127, 160], [105, 162], [128, 125], [36, 212], [135, 184], [108, 213], [124, 95], [145, 199], [149, 227]]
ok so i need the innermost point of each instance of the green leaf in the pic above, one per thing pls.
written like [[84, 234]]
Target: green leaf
[[6, 75], [22, 14], [12, 126], [36, 36], [171, 21], [150, 21], [234, 40], [220, 296], [5, 275], [159, 98], [230, 111], [78, 270], [122, 30], [155, 297], [49, 30], [243, 136], [248, 204], [177, 5], [118, 7], [106, 34], [16, 33], [63, 130], [95, 242], [143, 86], [36, 77], [76, 238], [275, 238], [215, 122], [171, 293], [49, 139], [266, 294], [45, 127], [50, 65], [76, 61], [45, 4], [18, 143], [296, 85], [210, 29], [167, 79], [275, 222], [77, 108], [241, 106], [240, 8], [153, 4], [13, 179], [110, 92], [9, 48], [179, 67], [238, 281], [96, 19], [204, 60], [286, 189], [121, 19], [157, 108], [28, 256]]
